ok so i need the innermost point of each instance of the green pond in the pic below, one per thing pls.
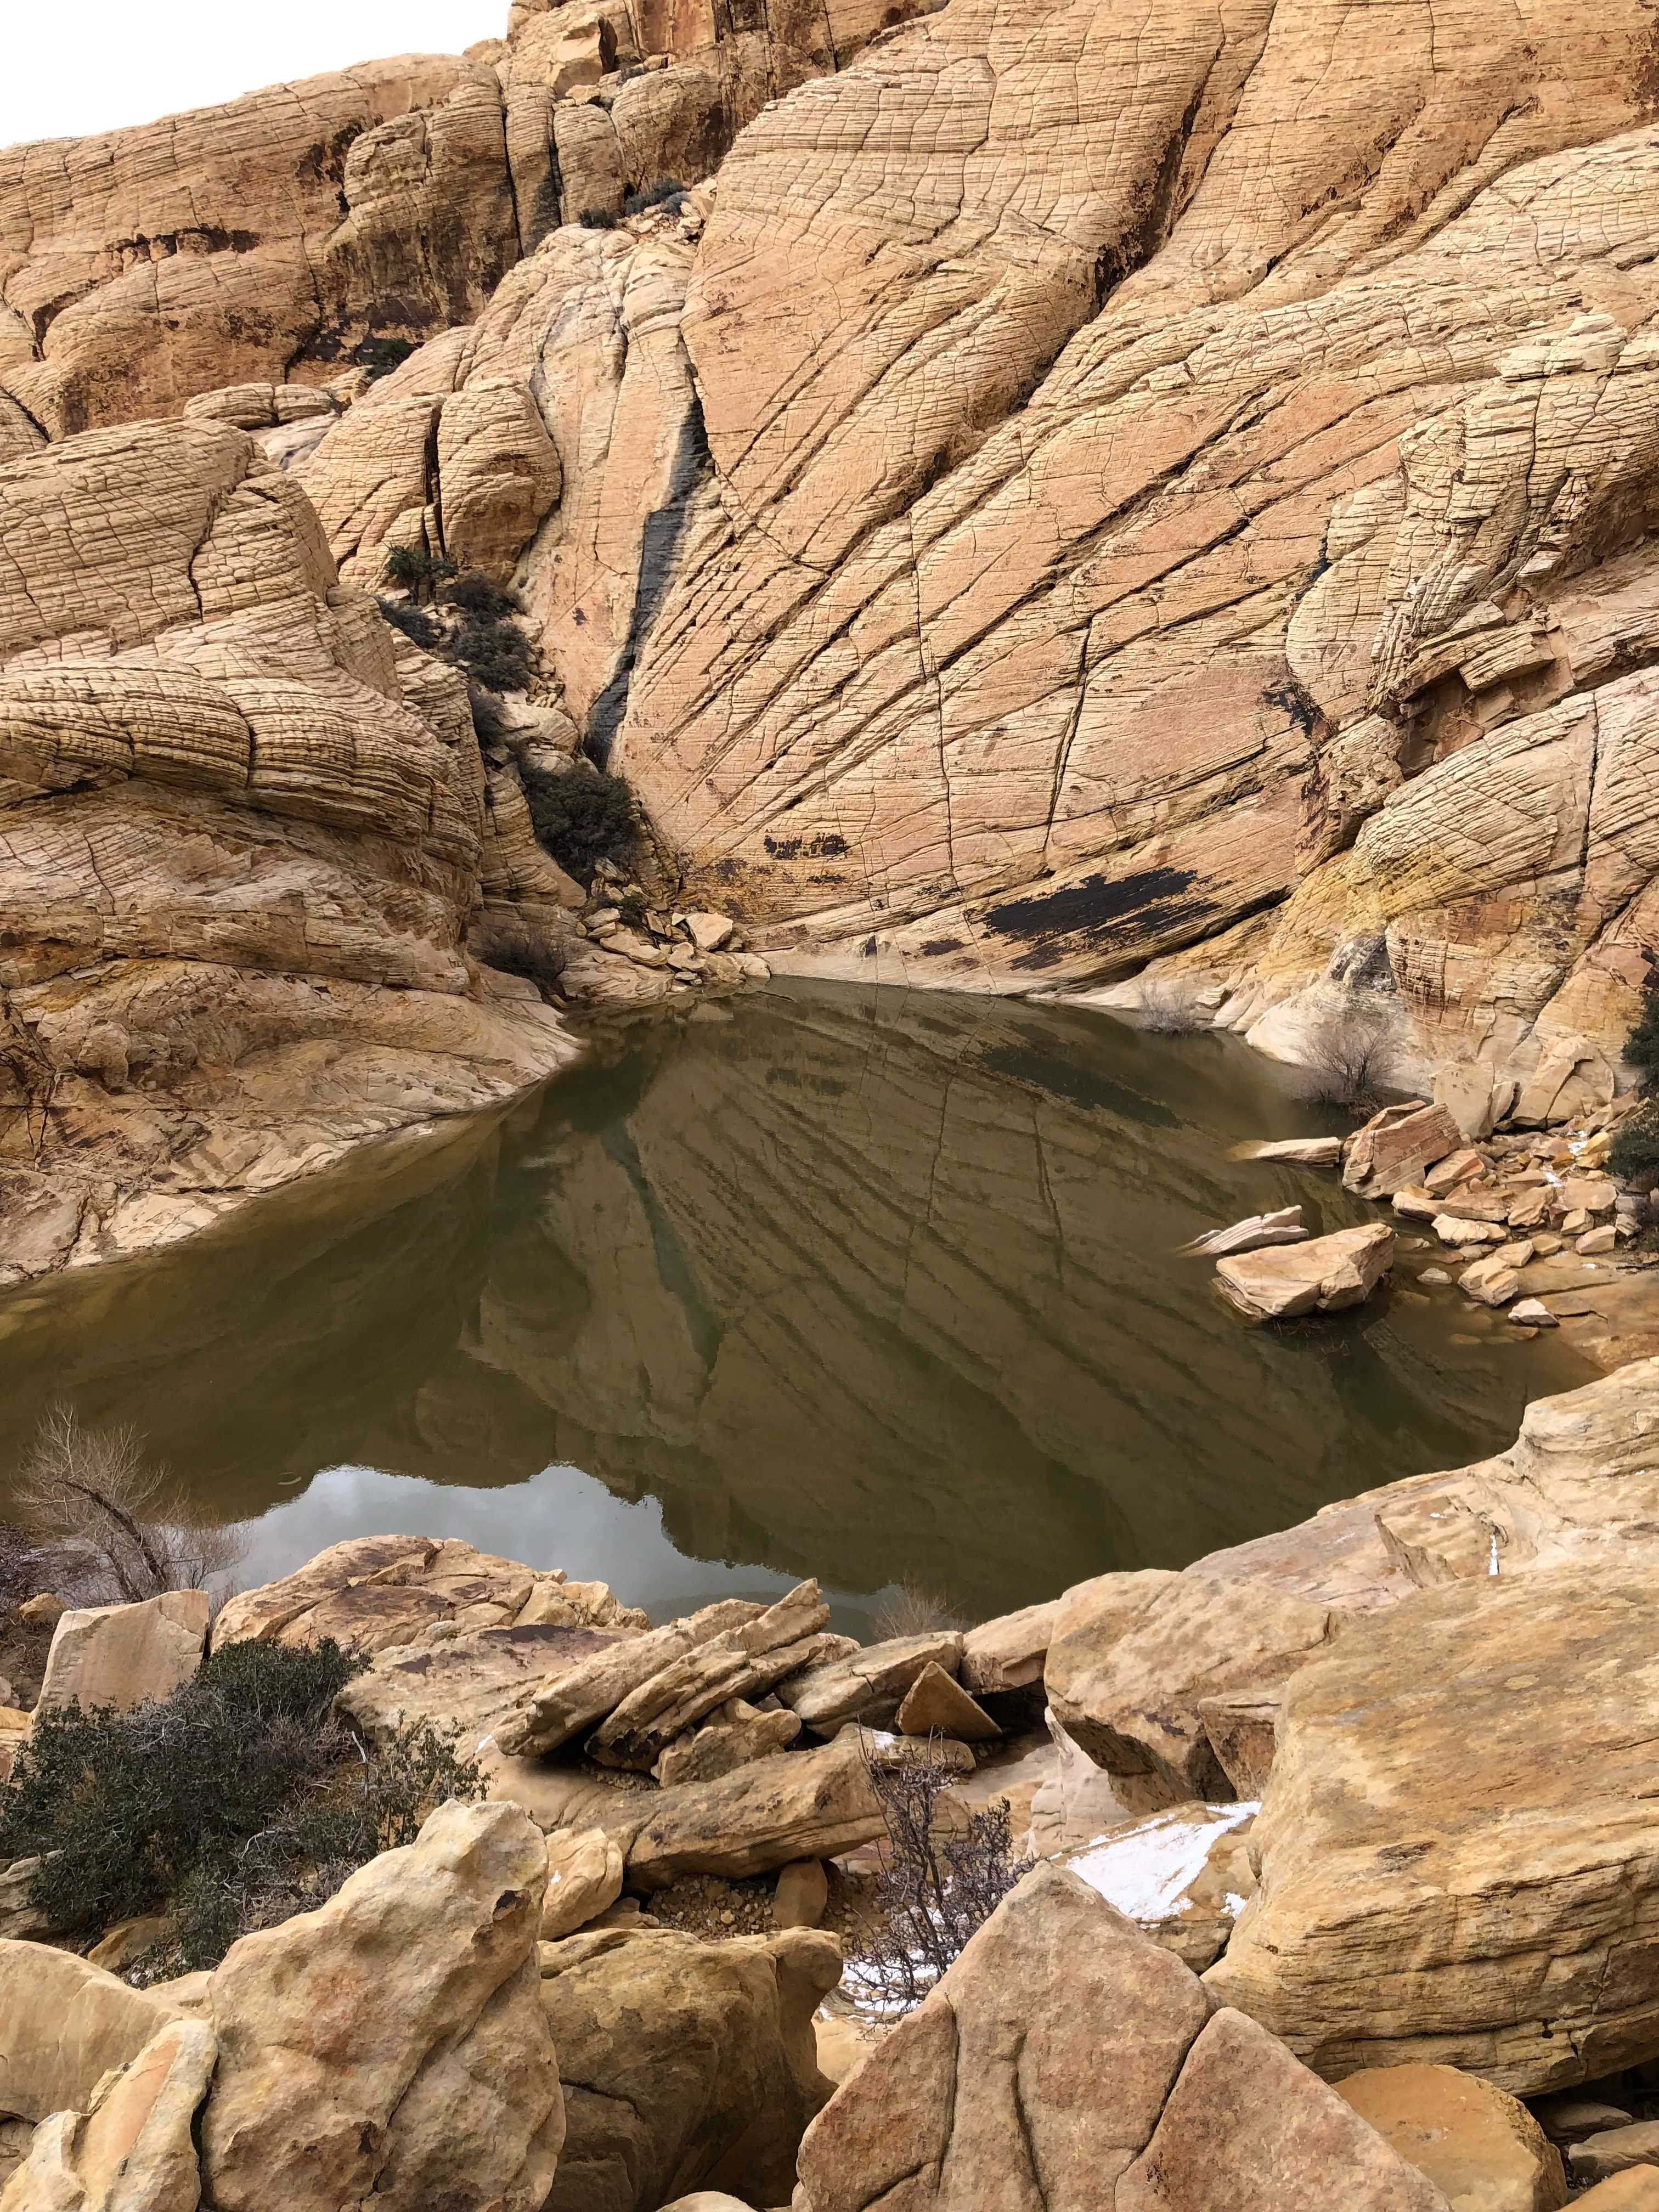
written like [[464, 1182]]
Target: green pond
[[859, 1284]]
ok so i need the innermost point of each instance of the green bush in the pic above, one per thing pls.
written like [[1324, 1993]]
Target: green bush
[[234, 1803], [417, 572], [594, 218], [582, 816], [415, 622], [1642, 1046], [1634, 1156], [665, 191], [496, 654], [473, 593], [380, 356]]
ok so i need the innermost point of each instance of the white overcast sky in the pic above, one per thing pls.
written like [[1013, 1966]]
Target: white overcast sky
[[67, 70]]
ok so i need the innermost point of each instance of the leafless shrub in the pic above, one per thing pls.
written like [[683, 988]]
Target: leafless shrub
[[1168, 1007], [912, 1609], [123, 1528], [941, 1879], [1350, 1061]]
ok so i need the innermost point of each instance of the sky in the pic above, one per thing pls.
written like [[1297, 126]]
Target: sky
[[101, 63]]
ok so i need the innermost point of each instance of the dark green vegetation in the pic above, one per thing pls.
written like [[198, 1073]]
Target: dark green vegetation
[[237, 1802], [1634, 1157], [486, 642], [582, 816]]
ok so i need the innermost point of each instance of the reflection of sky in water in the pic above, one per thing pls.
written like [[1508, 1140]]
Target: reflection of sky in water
[[559, 1518]]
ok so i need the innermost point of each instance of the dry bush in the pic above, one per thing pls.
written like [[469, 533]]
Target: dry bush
[[943, 1874], [1168, 1006], [911, 1609], [1350, 1061], [124, 1528]]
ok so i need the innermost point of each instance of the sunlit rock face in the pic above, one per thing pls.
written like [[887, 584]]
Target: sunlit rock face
[[1178, 487]]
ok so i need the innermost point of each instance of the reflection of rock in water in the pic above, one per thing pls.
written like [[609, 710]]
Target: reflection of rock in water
[[876, 1286], [855, 1285]]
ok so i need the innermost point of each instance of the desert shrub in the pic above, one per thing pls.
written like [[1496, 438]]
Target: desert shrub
[[236, 1801], [944, 1873], [1633, 1156], [414, 622], [496, 654], [122, 1527], [1642, 1046], [663, 191], [582, 817], [473, 593], [1167, 1006], [910, 1609], [417, 572], [380, 356], [1350, 1061], [20, 1559], [490, 724], [595, 218]]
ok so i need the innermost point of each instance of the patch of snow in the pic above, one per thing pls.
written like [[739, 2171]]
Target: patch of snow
[[1145, 1871]]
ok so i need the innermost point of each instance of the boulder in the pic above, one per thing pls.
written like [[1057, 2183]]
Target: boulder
[[1007, 1653], [1481, 2147], [584, 1879], [122, 1655], [1243, 1727], [1182, 1874], [685, 2064], [567, 1703], [937, 1704], [1635, 2190], [796, 1805], [393, 2043], [464, 1685], [1324, 1275], [1571, 2118], [1492, 1282], [132, 2149], [745, 1660], [869, 1684], [801, 1895], [1616, 2151], [1397, 1147], [737, 1733], [1283, 1227], [1135, 1656], [1068, 2062], [1455, 1852], [67, 2025]]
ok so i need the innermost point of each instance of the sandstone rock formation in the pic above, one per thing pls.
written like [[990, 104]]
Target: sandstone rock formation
[[1066, 2061], [240, 834], [121, 1654], [393, 2042], [132, 2149], [1454, 1849], [685, 2064], [1324, 1275], [1483, 2148], [68, 2024]]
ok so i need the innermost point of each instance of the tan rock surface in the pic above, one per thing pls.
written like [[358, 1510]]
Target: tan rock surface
[[685, 2064], [870, 1683], [1007, 1653], [1135, 1656], [584, 1879], [795, 1805], [1635, 2190], [133, 2149], [68, 2024], [1067, 2061], [937, 1704], [122, 1655], [464, 1685], [1454, 1849], [1482, 2148], [1325, 1275], [393, 2041], [239, 831]]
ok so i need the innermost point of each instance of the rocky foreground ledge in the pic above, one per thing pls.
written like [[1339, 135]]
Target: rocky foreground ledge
[[1420, 1975]]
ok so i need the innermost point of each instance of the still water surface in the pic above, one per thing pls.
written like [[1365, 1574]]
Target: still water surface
[[824, 1281]]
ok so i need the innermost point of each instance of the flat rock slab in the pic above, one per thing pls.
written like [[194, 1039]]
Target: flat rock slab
[[1007, 1653], [463, 1685], [1298, 1152], [1283, 1227], [795, 1805], [1459, 1850], [1323, 1275], [869, 1684]]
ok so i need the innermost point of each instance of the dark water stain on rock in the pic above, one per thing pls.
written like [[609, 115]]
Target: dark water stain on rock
[[1104, 911]]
